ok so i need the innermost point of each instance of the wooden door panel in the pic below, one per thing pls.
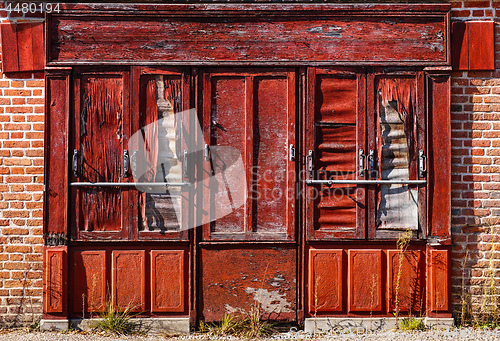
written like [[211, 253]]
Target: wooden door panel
[[365, 280], [336, 134], [228, 125], [250, 119], [100, 145], [405, 281], [270, 173], [168, 281], [326, 270], [89, 281], [128, 280], [101, 131]]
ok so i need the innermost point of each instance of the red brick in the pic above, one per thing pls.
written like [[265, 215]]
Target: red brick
[[17, 152], [26, 110], [16, 170], [16, 135], [34, 135], [36, 118], [34, 222], [460, 13], [9, 92], [19, 179], [16, 126], [16, 161], [18, 248], [35, 83], [16, 144], [476, 4]]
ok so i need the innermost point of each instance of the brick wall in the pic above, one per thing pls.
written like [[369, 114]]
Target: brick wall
[[475, 170], [476, 181], [21, 188]]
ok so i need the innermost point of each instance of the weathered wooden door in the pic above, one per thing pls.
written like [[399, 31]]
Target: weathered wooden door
[[249, 125], [366, 176]]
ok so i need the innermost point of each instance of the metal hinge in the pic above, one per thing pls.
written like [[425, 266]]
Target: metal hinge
[[292, 152]]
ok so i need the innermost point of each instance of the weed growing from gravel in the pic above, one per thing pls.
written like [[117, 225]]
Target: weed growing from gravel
[[117, 322], [411, 323]]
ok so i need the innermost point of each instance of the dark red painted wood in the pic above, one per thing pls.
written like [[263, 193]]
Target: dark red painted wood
[[460, 45], [25, 47], [481, 37], [326, 285], [438, 281], [371, 37], [89, 281], [365, 281], [336, 132], [56, 154], [255, 116], [439, 158], [405, 281], [22, 47], [128, 280], [101, 129], [169, 281], [10, 54], [55, 282], [235, 279]]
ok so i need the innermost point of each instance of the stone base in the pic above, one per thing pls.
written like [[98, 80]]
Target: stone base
[[170, 325], [57, 325], [362, 325]]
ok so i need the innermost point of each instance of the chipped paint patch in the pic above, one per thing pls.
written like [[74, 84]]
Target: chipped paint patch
[[270, 301]]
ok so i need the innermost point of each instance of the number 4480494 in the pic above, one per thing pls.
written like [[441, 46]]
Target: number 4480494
[[32, 7]]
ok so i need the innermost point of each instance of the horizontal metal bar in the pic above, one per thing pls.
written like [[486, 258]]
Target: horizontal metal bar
[[128, 184], [366, 182]]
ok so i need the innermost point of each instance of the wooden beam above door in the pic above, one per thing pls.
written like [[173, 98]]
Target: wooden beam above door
[[247, 34]]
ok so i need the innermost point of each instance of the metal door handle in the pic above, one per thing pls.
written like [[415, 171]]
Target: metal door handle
[[126, 163], [206, 153], [422, 164], [292, 152], [75, 163], [185, 163], [371, 158], [362, 162], [309, 163], [134, 163]]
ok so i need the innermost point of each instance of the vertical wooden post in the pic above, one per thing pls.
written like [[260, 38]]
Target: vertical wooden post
[[56, 192]]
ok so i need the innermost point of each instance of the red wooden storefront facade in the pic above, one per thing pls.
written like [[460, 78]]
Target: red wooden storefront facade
[[299, 142]]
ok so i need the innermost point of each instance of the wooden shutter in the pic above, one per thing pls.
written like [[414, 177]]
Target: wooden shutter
[[335, 134], [22, 47]]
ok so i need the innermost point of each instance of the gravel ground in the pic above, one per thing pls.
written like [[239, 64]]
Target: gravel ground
[[441, 335]]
